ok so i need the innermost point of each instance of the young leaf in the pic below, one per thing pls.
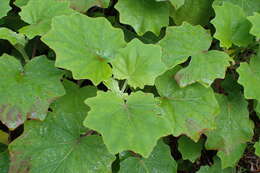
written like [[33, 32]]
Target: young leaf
[[57, 145], [86, 53], [212, 65], [4, 7], [189, 149], [160, 160], [255, 20], [130, 124], [13, 37], [144, 15], [249, 77], [257, 148], [233, 124], [232, 26], [216, 168], [39, 13], [195, 12], [183, 41], [138, 63], [27, 91], [190, 110]]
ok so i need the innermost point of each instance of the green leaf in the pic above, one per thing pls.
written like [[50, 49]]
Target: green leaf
[[175, 3], [183, 41], [83, 5], [138, 63], [57, 144], [212, 65], [160, 160], [144, 15], [4, 159], [21, 3], [257, 148], [195, 12], [233, 124], [86, 53], [216, 168], [189, 149], [78, 5], [13, 37], [39, 14], [249, 77], [249, 6], [190, 110], [255, 20], [4, 7], [4, 137], [126, 124], [232, 26], [27, 91]]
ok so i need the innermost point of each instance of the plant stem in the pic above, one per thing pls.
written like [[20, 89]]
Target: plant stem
[[20, 48]]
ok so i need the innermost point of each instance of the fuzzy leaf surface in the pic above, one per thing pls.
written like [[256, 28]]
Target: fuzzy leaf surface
[[233, 124], [27, 91], [144, 15], [183, 41], [57, 145], [232, 26], [86, 53], [255, 20], [132, 123], [190, 110], [138, 63], [249, 77], [212, 64], [38, 14], [160, 160]]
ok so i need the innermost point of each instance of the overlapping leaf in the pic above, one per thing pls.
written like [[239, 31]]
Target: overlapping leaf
[[58, 145], [216, 168], [249, 77], [190, 110], [186, 40], [138, 63], [212, 65], [255, 20], [232, 26], [144, 15], [196, 12], [160, 160], [189, 149], [249, 7], [183, 41], [126, 124], [4, 7], [27, 91], [13, 37], [86, 53], [233, 124], [38, 14], [78, 5]]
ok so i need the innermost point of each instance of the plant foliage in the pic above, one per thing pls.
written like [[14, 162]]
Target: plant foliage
[[129, 86]]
